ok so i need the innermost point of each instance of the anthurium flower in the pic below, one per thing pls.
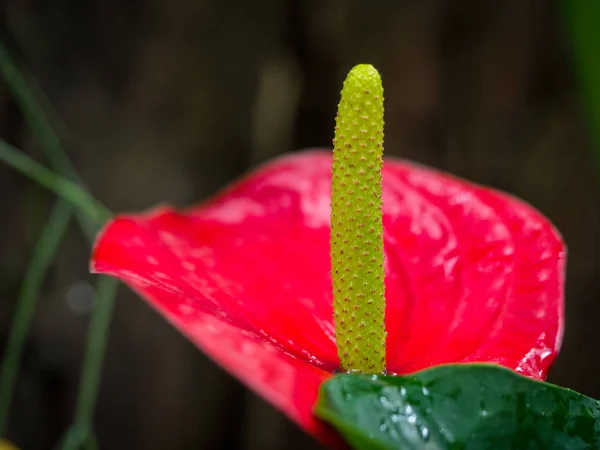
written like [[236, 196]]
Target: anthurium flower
[[471, 274], [283, 284]]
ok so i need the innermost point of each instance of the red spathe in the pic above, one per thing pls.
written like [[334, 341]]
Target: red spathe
[[472, 275]]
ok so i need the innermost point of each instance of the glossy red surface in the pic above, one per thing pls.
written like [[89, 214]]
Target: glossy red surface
[[471, 275]]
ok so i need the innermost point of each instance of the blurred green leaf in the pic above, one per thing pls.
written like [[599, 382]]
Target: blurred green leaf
[[582, 25]]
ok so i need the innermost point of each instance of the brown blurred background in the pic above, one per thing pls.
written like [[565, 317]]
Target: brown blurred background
[[167, 101]]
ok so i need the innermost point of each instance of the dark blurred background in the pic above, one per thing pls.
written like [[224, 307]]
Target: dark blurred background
[[167, 101]]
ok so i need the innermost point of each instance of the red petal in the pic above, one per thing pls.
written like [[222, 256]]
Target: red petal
[[471, 275], [486, 275]]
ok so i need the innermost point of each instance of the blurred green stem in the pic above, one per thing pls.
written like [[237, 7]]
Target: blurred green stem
[[40, 125], [45, 250], [91, 215], [582, 25], [72, 195], [61, 186], [81, 432]]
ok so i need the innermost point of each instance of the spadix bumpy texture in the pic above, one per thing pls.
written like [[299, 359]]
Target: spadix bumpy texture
[[356, 224]]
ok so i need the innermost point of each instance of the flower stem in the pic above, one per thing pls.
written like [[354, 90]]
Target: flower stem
[[61, 186], [105, 294], [356, 224], [40, 125], [91, 214], [81, 431], [44, 252]]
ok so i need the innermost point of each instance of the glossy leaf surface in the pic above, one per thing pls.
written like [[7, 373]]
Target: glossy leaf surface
[[471, 275], [466, 406]]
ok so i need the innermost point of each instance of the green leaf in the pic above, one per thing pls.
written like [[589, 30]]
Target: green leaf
[[466, 406], [581, 23]]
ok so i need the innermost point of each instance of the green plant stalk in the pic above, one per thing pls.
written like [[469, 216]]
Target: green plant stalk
[[582, 25], [92, 443], [41, 127], [61, 186], [74, 439], [81, 431], [90, 213], [44, 252]]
